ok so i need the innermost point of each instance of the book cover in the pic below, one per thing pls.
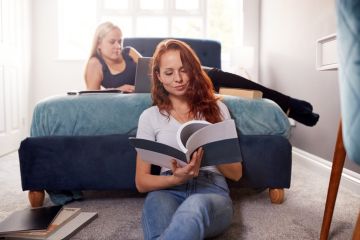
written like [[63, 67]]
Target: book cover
[[73, 226], [219, 141], [29, 219], [101, 91], [65, 215], [94, 91], [67, 230]]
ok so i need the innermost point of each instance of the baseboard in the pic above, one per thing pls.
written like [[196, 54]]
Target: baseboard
[[349, 179]]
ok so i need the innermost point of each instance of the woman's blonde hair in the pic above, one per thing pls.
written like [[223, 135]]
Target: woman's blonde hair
[[100, 33]]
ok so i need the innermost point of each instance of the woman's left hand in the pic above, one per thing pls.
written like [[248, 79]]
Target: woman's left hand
[[191, 170]]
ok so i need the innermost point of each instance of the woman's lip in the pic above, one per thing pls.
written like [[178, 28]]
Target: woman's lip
[[181, 87]]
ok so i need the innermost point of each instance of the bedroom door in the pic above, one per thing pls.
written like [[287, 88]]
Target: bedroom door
[[12, 73]]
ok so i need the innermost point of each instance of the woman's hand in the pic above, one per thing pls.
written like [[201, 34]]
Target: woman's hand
[[127, 88], [182, 174]]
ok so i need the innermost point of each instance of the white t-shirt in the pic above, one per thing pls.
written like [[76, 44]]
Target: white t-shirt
[[158, 127]]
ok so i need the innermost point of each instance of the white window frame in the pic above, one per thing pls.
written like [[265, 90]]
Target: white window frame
[[169, 12]]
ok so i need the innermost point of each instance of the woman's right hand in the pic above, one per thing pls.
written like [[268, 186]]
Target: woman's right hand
[[191, 170]]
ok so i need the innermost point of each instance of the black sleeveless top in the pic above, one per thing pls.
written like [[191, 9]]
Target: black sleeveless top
[[125, 77]]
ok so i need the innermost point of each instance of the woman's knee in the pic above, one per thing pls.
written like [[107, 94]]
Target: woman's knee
[[208, 204], [213, 211], [159, 201], [158, 210]]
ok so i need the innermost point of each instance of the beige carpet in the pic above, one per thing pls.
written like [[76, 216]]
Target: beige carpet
[[299, 217]]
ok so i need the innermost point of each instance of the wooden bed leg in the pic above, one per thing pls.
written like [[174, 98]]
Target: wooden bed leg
[[36, 198], [276, 195]]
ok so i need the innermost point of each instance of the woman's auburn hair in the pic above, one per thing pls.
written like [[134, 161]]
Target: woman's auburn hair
[[200, 92]]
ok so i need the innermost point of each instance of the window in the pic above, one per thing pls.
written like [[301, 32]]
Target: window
[[75, 28], [213, 19]]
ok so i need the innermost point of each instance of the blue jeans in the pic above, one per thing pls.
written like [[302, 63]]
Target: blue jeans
[[197, 209]]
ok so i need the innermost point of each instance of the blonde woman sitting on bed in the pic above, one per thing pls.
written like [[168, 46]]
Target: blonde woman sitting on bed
[[112, 66]]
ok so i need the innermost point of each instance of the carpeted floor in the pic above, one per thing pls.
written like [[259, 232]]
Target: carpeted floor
[[299, 217]]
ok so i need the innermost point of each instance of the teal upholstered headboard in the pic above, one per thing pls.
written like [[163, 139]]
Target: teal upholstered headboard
[[100, 114]]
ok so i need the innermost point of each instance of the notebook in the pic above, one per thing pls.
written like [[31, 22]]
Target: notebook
[[66, 231], [29, 219], [94, 91], [65, 215], [143, 75]]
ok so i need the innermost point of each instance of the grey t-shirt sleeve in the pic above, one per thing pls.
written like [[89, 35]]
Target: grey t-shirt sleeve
[[145, 129], [224, 110]]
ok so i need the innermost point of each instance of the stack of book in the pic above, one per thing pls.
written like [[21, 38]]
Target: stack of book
[[54, 222]]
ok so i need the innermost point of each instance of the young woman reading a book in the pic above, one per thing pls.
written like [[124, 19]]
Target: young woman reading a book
[[112, 66], [183, 202]]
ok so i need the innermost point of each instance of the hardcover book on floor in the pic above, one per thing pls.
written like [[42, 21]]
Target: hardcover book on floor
[[65, 231], [29, 219], [64, 216]]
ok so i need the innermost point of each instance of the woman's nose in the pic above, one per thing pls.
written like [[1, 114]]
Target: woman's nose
[[177, 76], [118, 45]]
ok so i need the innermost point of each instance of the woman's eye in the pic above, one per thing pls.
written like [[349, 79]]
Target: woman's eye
[[168, 73], [183, 70]]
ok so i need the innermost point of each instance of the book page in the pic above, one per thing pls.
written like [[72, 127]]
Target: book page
[[211, 133], [159, 159], [186, 130], [65, 215], [74, 225], [157, 153]]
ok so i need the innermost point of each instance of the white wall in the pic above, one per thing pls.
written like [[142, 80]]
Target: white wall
[[289, 30], [251, 33], [50, 76]]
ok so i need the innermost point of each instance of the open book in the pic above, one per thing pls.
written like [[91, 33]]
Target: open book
[[219, 141]]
